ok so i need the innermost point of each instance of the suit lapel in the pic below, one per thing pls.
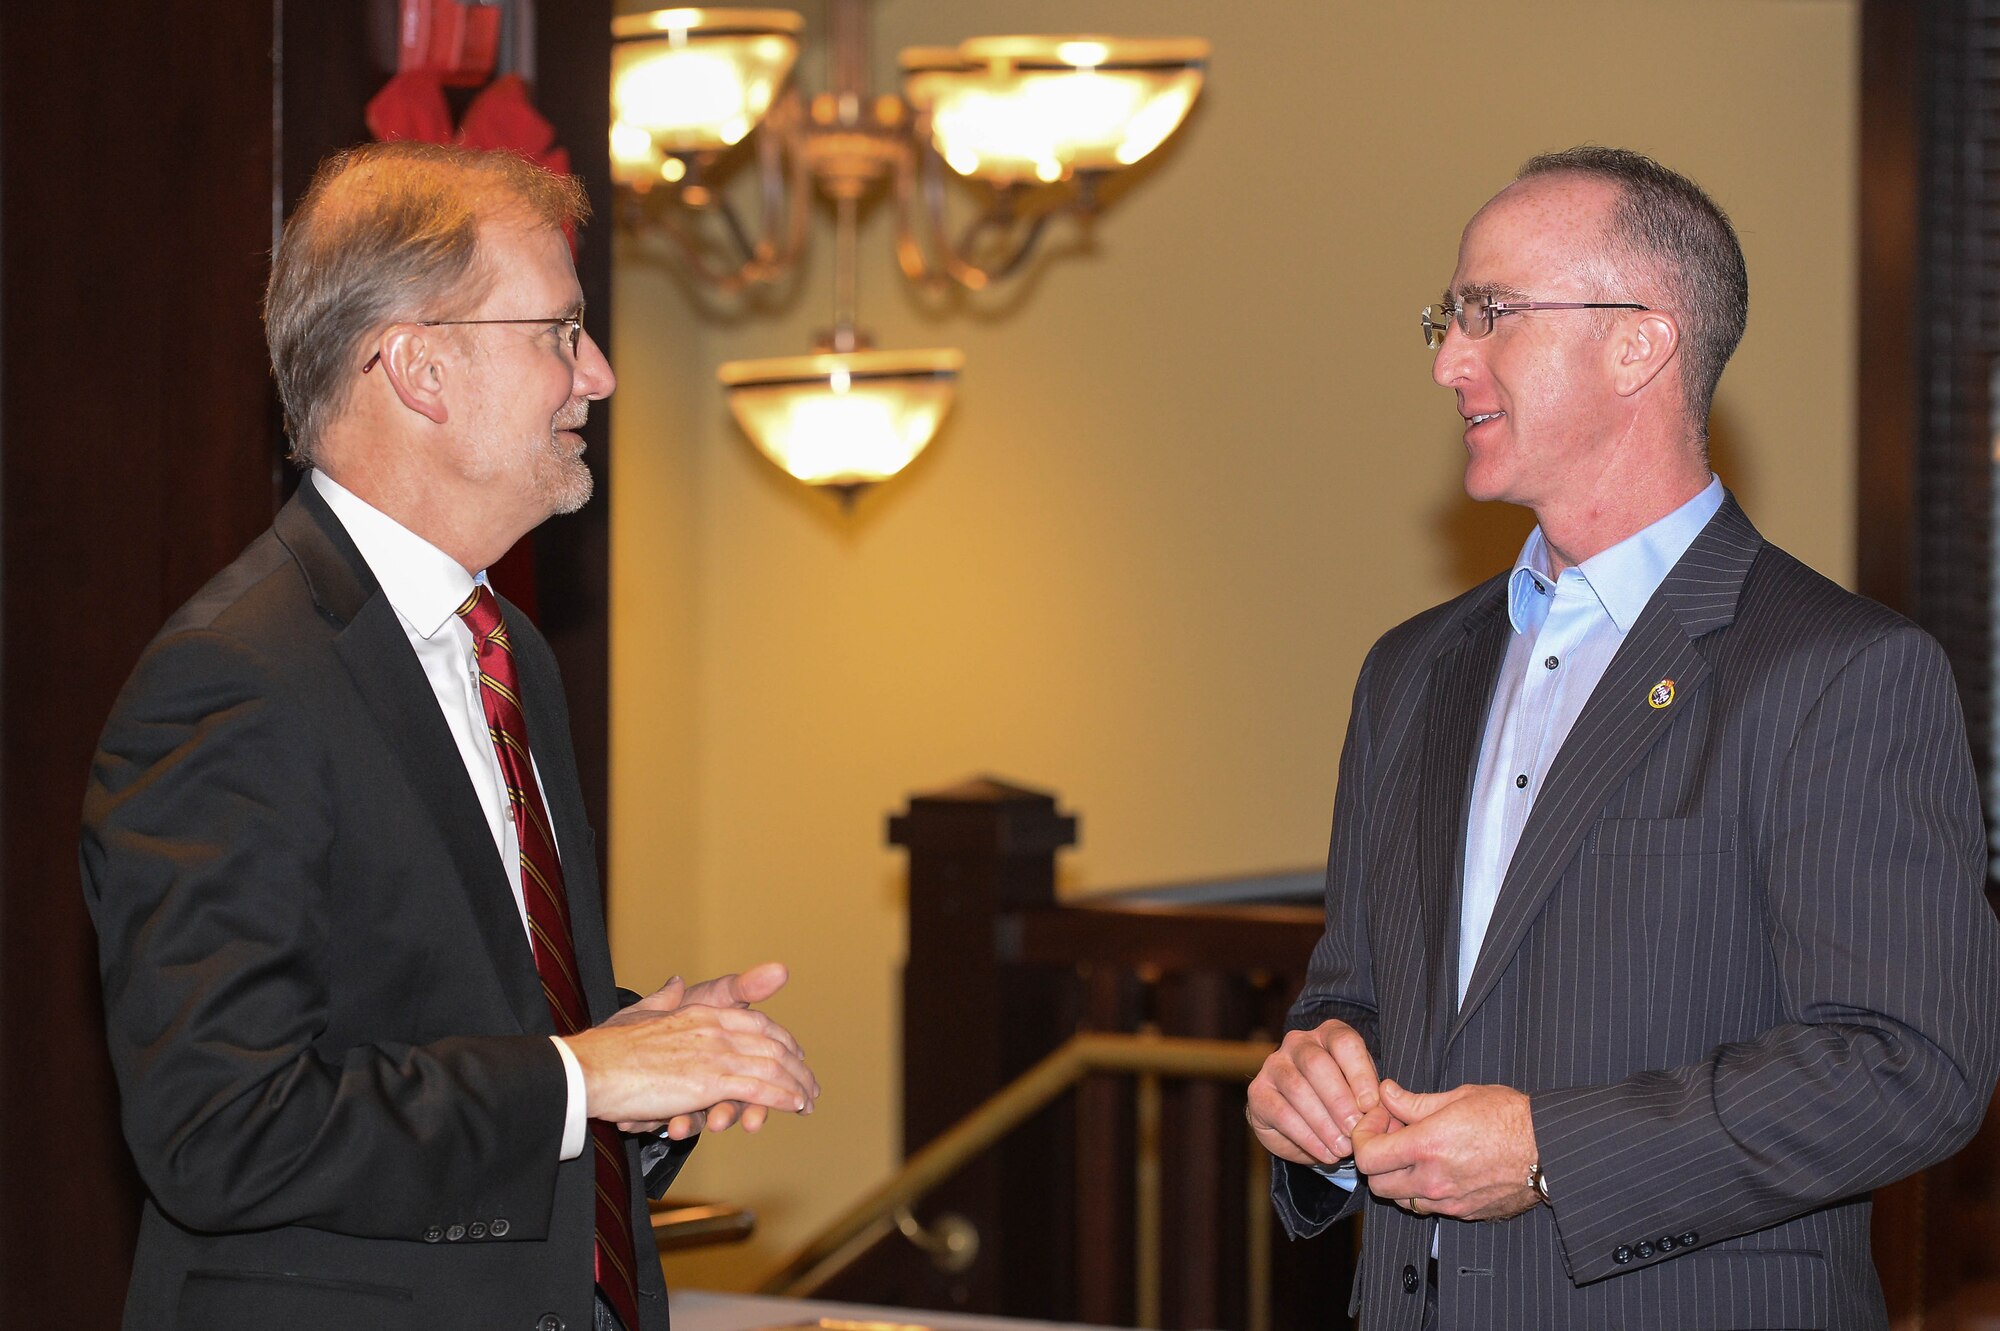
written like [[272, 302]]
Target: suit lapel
[[372, 646], [1617, 726], [1460, 694]]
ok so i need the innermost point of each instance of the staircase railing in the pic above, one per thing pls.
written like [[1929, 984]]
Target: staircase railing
[[1148, 1058], [1123, 1193]]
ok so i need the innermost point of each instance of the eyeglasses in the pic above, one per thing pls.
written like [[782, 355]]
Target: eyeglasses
[[1476, 314], [572, 326]]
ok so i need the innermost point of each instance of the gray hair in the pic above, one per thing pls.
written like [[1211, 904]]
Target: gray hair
[[386, 232], [1666, 223]]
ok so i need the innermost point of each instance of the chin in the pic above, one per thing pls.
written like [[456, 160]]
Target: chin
[[566, 482], [574, 492], [1482, 487]]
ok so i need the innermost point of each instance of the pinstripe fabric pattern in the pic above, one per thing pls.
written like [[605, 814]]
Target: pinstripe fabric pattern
[[1741, 960]]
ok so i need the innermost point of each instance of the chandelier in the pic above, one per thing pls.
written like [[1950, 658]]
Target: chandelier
[[1011, 132]]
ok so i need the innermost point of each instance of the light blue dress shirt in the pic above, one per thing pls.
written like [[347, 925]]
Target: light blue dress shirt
[[1566, 630]]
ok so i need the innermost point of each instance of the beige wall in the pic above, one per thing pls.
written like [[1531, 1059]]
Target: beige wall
[[1192, 473]]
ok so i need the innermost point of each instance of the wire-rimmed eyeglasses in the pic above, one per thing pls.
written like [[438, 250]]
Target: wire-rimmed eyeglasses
[[1476, 315], [571, 324]]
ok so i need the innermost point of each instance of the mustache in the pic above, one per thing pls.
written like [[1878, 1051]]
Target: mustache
[[573, 416]]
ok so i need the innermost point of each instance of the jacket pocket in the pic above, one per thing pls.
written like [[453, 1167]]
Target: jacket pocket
[[228, 1300], [1664, 836]]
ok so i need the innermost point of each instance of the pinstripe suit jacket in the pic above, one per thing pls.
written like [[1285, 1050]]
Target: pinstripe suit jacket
[[1741, 961]]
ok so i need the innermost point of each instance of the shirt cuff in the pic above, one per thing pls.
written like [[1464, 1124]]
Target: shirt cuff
[[1341, 1176], [574, 1126]]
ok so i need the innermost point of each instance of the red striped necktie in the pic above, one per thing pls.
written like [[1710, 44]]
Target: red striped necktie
[[549, 932]]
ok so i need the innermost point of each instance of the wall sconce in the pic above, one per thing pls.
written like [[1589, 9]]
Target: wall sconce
[[1029, 126]]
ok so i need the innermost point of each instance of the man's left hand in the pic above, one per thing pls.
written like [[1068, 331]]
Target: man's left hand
[[737, 989], [1463, 1153]]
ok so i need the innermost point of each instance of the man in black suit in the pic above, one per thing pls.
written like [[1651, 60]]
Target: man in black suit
[[356, 976], [1655, 930]]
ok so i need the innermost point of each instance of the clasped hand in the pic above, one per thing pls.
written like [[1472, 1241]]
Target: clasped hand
[[693, 1057], [1462, 1153]]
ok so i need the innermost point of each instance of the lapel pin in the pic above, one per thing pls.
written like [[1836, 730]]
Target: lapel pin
[[1662, 694]]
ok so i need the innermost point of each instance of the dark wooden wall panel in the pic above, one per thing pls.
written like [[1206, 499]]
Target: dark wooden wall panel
[[573, 553], [135, 456], [1886, 405], [144, 163], [1929, 341]]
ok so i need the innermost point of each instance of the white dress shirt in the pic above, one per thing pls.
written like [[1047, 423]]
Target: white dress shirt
[[426, 586]]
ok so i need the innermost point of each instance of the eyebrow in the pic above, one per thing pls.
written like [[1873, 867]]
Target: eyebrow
[[1490, 290]]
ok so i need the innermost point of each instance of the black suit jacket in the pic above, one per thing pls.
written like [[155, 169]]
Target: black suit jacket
[[1741, 960], [322, 1008]]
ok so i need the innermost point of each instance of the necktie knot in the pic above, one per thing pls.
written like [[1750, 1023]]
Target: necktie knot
[[481, 613]]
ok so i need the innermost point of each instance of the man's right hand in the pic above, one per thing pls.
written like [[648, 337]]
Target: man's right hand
[[1310, 1094], [662, 1058]]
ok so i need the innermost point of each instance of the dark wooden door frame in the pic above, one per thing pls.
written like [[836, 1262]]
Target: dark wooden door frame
[[143, 167], [1927, 344]]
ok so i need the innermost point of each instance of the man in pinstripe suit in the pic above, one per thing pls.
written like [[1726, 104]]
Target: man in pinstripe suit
[[1655, 932]]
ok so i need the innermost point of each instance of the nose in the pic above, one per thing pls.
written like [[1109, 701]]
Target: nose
[[593, 376], [1453, 360]]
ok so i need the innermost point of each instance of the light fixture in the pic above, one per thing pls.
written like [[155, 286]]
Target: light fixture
[[843, 420], [1014, 109], [1028, 126], [687, 81]]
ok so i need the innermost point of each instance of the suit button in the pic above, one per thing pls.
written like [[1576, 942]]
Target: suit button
[[1621, 1255], [1409, 1280], [477, 1230], [434, 1233], [1644, 1250], [1668, 1242], [1689, 1239], [455, 1233], [548, 1322], [500, 1228]]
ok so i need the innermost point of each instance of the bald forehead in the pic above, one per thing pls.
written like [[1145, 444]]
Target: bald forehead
[[1547, 228], [1565, 202]]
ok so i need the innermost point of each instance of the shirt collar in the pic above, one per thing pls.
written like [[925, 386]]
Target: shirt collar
[[423, 583], [1622, 578]]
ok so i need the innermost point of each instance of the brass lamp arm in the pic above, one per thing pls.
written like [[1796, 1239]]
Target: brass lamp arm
[[922, 173], [785, 191]]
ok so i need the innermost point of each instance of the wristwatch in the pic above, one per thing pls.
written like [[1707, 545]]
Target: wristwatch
[[1540, 1183]]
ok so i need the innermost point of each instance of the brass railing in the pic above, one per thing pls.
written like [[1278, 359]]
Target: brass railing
[[1150, 1059]]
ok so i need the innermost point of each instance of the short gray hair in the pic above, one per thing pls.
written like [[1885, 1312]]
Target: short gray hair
[[1667, 223], [387, 231]]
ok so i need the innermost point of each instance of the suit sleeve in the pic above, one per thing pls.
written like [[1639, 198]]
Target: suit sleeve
[[209, 827], [1887, 958], [1340, 983]]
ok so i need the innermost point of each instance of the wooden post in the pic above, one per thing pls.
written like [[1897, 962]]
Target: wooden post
[[981, 852]]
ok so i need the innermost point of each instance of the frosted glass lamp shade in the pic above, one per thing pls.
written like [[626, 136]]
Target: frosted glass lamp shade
[[843, 419], [687, 81], [1018, 109]]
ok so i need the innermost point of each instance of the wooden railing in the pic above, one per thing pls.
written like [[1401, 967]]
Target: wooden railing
[[1149, 1060], [1000, 974]]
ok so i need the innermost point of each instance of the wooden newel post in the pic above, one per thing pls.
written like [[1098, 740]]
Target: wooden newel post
[[981, 853]]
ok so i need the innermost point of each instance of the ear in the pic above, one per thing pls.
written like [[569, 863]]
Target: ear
[[1641, 351], [413, 366]]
